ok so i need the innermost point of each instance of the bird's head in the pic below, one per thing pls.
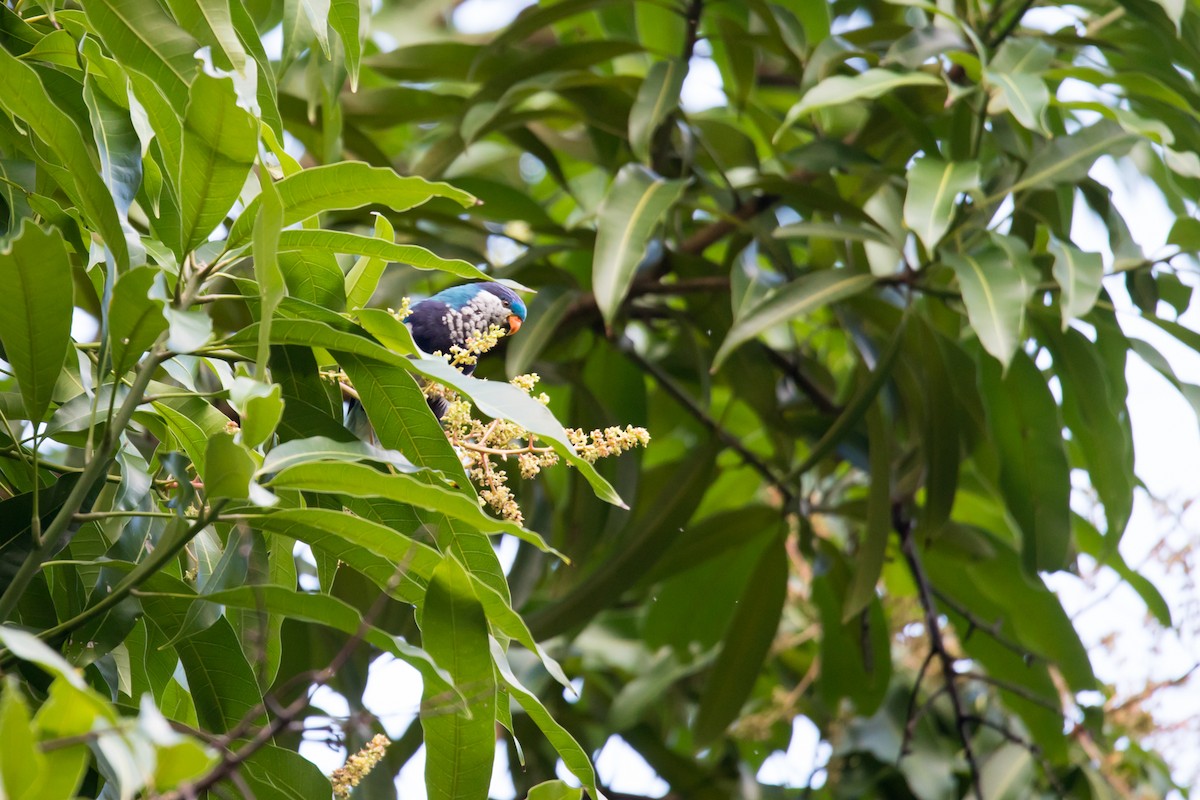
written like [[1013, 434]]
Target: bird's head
[[485, 304]]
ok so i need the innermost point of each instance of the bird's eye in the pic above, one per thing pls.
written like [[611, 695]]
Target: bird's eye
[[507, 304]]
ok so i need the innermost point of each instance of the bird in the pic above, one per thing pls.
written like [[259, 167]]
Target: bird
[[450, 319], [453, 316]]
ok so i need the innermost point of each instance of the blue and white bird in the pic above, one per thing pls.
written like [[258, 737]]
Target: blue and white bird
[[455, 315]]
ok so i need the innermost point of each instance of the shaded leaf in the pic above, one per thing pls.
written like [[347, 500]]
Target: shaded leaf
[[802, 296], [35, 327], [632, 208]]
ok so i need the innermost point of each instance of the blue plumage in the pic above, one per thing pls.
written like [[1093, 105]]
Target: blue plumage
[[454, 315]]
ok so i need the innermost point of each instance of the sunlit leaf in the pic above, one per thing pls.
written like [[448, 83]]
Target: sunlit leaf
[[933, 190]]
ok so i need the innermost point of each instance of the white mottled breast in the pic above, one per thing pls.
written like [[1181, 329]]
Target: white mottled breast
[[475, 317]]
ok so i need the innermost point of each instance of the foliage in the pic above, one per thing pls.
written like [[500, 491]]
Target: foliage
[[854, 304]]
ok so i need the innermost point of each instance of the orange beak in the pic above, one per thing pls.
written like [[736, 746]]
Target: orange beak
[[514, 324]]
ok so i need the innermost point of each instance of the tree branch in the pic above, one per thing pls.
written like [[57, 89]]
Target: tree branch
[[937, 644], [696, 410]]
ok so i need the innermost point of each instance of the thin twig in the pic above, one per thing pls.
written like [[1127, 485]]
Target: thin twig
[[285, 715], [904, 528], [684, 399]]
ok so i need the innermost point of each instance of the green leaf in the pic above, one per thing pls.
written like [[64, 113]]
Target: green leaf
[[804, 295], [363, 278], [330, 611], [574, 757], [546, 312], [400, 415], [657, 98], [275, 773], [220, 142], [320, 448], [831, 230], [1007, 773], [1079, 274], [75, 170], [369, 547], [1035, 477], [268, 223], [228, 467], [1185, 234], [1094, 414], [344, 19], [35, 327], [1067, 159], [135, 319], [837, 90], [460, 743], [357, 480], [354, 244], [873, 540], [260, 406], [745, 647], [120, 156], [554, 790], [995, 290], [343, 186], [20, 760], [143, 38], [632, 208], [855, 656], [933, 189]]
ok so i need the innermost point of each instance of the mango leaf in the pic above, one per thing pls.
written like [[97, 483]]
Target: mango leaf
[[143, 38], [75, 171], [120, 158], [344, 19], [260, 406], [1067, 159], [373, 549], [220, 142], [268, 223], [1079, 274], [657, 98], [574, 757], [995, 290], [363, 277], [873, 539], [1035, 477], [631, 210], [357, 480], [745, 647], [369, 246], [554, 790], [343, 186], [837, 90], [320, 448], [35, 327], [135, 319], [460, 743], [327, 610], [804, 295], [933, 189], [228, 467], [1094, 414], [20, 759]]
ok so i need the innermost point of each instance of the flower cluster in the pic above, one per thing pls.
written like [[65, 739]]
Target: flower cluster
[[358, 766], [479, 442], [477, 345], [608, 442]]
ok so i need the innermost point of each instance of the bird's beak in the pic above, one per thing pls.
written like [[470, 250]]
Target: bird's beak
[[514, 323]]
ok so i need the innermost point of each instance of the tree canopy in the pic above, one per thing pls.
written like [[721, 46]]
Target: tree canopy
[[858, 305]]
